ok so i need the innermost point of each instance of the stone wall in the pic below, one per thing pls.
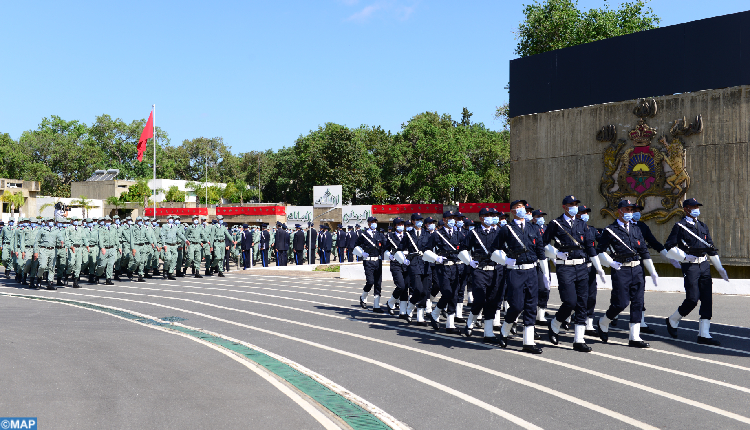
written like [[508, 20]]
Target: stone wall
[[555, 154]]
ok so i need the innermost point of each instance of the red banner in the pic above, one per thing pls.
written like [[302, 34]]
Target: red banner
[[472, 208], [176, 211], [407, 209], [251, 210]]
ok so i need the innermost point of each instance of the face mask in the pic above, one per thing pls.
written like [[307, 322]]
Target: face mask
[[374, 226], [130, 222], [156, 224], [409, 228], [627, 216], [451, 223], [419, 224], [75, 223], [460, 223], [573, 210], [178, 223], [171, 221], [528, 217], [520, 212], [503, 222], [636, 216], [10, 223], [540, 222], [101, 222], [495, 220], [221, 221], [59, 225], [695, 213], [108, 224], [400, 228], [117, 221], [488, 220], [196, 222], [471, 228], [430, 227], [585, 217], [91, 224], [51, 224]]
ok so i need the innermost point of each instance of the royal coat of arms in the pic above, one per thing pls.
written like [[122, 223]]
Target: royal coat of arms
[[654, 177]]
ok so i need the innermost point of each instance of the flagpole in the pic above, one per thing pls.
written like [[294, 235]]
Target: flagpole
[[153, 112]]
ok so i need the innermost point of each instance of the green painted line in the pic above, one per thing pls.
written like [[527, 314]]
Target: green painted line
[[351, 413]]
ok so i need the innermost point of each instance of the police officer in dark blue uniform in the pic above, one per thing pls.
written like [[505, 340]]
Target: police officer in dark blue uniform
[[371, 243], [543, 295], [463, 269], [413, 245], [399, 271], [281, 245], [351, 243], [341, 241], [522, 244], [623, 248], [325, 243], [572, 252], [590, 237], [446, 244], [691, 245], [486, 277], [265, 240]]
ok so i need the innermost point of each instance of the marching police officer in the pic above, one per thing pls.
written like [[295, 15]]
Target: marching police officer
[[694, 250], [623, 248], [572, 252], [394, 243], [371, 243], [446, 243], [281, 245]]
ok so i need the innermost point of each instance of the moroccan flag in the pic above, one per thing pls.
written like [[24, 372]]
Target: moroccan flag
[[146, 134]]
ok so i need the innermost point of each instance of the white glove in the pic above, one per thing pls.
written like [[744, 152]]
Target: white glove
[[690, 258], [562, 255], [602, 276], [406, 262], [439, 260], [510, 262], [546, 283], [365, 255], [615, 265], [723, 273], [391, 257], [654, 278], [473, 264], [675, 263]]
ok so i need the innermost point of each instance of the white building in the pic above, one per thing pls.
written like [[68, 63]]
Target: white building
[[163, 185]]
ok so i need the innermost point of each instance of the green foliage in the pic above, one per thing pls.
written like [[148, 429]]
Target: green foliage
[[214, 192], [84, 203], [556, 24], [139, 192], [174, 195], [14, 200]]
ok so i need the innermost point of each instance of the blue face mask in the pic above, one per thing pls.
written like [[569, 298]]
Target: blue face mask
[[171, 221], [430, 227], [528, 217], [419, 224], [140, 223], [409, 228], [117, 221], [520, 212], [488, 220], [495, 220], [636, 216], [196, 222], [451, 223], [540, 222], [460, 223], [471, 227], [695, 213], [585, 217], [374, 226], [573, 210], [627, 216], [399, 228], [503, 222]]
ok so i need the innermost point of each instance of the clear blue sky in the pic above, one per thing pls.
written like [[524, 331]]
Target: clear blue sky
[[259, 74]]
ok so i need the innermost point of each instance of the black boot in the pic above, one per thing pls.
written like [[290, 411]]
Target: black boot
[[130, 275], [140, 278], [117, 276], [208, 272], [23, 280], [7, 274], [156, 272], [180, 273], [148, 275], [91, 279], [51, 286], [221, 274], [171, 277], [96, 280], [109, 282], [75, 282], [65, 280], [59, 282]]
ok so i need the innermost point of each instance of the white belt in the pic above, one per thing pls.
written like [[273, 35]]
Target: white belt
[[698, 261], [631, 263], [448, 263], [459, 262], [521, 266], [371, 258], [571, 262], [487, 268], [589, 264]]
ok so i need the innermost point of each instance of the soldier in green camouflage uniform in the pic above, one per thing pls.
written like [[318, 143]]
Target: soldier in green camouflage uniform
[[139, 246], [48, 237], [194, 238], [7, 242], [218, 238], [108, 249], [28, 240], [61, 253], [74, 241], [171, 237]]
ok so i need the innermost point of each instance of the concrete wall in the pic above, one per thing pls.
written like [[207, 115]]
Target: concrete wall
[[99, 190], [555, 154]]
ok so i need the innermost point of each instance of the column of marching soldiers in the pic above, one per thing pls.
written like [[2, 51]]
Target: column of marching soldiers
[[505, 263], [54, 253]]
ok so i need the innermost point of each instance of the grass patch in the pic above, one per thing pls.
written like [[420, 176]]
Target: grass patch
[[335, 268]]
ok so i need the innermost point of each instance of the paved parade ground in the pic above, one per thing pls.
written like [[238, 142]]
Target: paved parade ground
[[261, 351]]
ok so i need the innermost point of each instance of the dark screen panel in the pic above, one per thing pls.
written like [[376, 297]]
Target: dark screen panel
[[699, 55]]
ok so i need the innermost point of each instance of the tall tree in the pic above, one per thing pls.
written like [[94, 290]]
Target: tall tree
[[556, 24]]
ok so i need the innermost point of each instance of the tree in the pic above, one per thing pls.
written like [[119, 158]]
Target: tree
[[556, 24], [116, 202], [139, 192], [174, 195], [84, 203], [14, 200], [214, 192]]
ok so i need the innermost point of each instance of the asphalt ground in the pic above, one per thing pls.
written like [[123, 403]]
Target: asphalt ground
[[70, 366]]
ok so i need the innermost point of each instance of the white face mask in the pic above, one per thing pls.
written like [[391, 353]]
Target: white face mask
[[430, 227], [51, 224], [196, 222], [130, 222], [374, 226], [399, 228], [520, 212], [419, 224]]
